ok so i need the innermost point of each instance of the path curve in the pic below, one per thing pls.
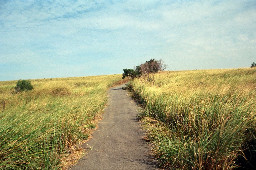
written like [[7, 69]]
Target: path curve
[[118, 142]]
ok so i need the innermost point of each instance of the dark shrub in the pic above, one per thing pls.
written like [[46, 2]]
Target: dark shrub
[[23, 85], [128, 73], [253, 65]]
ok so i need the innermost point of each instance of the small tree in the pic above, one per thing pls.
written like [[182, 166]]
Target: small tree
[[23, 85], [253, 65], [152, 66]]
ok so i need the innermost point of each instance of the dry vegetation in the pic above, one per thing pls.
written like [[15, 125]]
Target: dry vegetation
[[199, 119], [37, 127]]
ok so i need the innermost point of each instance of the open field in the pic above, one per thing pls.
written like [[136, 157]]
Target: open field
[[199, 119], [37, 127]]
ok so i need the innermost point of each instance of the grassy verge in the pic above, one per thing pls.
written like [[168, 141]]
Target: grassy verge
[[38, 126], [199, 119]]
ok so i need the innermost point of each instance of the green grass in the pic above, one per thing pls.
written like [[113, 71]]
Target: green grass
[[198, 119], [37, 127]]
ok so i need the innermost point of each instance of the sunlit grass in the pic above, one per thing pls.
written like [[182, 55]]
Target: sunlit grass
[[38, 126], [199, 119]]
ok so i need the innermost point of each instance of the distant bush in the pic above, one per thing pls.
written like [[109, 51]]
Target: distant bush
[[151, 66], [23, 85], [253, 65]]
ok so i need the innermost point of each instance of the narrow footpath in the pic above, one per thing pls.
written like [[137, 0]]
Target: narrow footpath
[[118, 142]]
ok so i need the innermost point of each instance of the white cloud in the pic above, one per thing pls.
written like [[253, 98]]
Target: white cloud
[[176, 31]]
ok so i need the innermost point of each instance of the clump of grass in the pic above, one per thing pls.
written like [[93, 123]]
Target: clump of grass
[[39, 126], [202, 116], [60, 91]]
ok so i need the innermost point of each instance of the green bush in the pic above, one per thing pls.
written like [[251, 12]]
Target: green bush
[[128, 73], [253, 65], [23, 85]]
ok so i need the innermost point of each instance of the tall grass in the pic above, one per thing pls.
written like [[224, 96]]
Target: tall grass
[[199, 119], [38, 126]]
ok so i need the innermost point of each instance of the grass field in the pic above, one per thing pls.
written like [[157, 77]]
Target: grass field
[[37, 127], [199, 119]]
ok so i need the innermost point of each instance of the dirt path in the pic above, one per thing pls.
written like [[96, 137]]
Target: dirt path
[[117, 143]]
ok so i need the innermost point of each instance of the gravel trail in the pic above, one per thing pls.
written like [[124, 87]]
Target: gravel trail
[[118, 142]]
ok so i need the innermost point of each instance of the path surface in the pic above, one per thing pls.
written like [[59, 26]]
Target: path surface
[[117, 143]]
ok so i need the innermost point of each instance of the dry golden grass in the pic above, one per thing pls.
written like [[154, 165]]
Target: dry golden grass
[[38, 127], [203, 115]]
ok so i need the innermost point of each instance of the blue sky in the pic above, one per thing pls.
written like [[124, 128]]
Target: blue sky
[[57, 38]]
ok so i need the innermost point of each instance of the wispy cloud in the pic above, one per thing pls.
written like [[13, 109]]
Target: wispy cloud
[[73, 35]]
